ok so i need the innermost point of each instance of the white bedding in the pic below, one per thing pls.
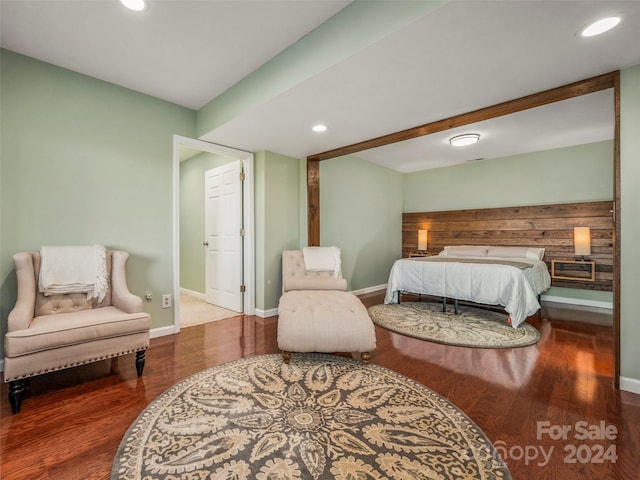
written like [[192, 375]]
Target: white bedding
[[513, 288]]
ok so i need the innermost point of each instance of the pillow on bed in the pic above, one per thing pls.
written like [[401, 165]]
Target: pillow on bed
[[465, 251], [516, 252]]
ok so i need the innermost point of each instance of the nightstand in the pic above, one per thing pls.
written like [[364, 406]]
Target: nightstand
[[422, 254], [576, 270]]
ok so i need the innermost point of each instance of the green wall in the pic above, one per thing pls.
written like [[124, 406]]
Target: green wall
[[84, 161], [630, 225], [277, 221], [361, 212], [573, 174], [192, 216]]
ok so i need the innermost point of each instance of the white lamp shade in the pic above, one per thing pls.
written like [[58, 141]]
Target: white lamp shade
[[582, 240], [422, 240]]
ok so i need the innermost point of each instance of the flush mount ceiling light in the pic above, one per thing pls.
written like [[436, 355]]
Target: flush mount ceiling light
[[135, 5], [319, 128], [464, 139], [601, 26]]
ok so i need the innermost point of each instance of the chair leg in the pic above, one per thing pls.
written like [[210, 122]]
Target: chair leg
[[140, 358], [366, 356], [16, 391], [286, 356]]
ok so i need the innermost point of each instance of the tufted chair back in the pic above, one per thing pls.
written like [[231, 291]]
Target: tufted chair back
[[33, 304], [72, 302], [295, 276]]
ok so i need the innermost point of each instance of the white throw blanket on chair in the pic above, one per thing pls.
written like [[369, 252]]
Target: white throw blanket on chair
[[322, 259], [81, 269]]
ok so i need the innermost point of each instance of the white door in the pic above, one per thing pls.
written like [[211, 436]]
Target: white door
[[223, 224]]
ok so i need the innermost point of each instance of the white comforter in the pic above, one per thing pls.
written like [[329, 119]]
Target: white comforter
[[493, 284]]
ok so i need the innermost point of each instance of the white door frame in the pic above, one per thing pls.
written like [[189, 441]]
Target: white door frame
[[249, 302]]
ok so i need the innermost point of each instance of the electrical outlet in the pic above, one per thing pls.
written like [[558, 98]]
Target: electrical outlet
[[166, 300]]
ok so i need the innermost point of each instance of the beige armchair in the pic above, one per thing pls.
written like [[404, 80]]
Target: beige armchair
[[48, 333], [316, 314]]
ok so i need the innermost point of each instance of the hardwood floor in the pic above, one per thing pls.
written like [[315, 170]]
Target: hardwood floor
[[72, 421]]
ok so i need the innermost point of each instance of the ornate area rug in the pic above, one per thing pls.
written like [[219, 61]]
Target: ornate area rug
[[472, 327], [321, 417]]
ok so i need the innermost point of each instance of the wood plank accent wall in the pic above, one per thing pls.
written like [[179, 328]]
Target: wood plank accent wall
[[548, 226]]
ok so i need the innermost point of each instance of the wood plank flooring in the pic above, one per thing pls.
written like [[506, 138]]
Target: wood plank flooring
[[72, 421]]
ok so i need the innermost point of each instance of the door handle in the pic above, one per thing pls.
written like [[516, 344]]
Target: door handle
[[206, 244]]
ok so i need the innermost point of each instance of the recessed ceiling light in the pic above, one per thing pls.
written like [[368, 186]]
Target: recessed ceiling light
[[601, 26], [135, 5], [319, 128], [464, 139]]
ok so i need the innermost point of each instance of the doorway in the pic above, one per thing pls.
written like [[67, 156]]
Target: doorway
[[189, 250]]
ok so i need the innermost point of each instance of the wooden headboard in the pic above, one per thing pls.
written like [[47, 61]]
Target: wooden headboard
[[548, 226]]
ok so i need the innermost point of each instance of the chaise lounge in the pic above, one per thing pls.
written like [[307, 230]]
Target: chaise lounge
[[316, 314]]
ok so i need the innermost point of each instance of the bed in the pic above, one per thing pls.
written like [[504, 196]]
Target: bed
[[512, 277]]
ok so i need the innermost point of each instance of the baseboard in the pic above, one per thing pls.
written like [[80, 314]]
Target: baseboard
[[630, 385], [375, 288], [548, 298], [272, 312], [577, 301], [193, 293], [162, 331]]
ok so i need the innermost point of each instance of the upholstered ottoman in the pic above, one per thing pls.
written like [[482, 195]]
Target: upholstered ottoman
[[322, 320]]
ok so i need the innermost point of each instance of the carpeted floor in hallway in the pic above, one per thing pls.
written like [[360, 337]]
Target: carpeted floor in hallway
[[196, 311]]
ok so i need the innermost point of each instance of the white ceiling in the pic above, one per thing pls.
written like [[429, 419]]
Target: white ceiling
[[183, 51], [460, 57]]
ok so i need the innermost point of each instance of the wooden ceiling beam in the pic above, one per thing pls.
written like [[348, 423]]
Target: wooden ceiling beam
[[572, 90], [576, 89]]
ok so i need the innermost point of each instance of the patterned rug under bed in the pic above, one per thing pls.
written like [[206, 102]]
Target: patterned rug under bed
[[471, 327]]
